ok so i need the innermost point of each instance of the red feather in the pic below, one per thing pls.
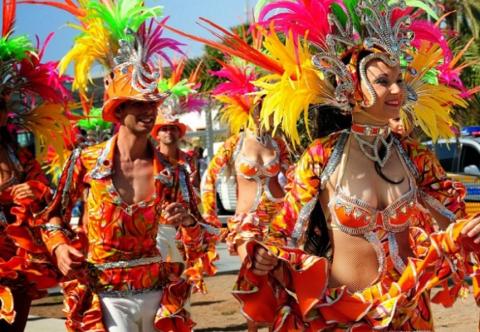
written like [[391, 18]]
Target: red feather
[[234, 45], [9, 9], [68, 6]]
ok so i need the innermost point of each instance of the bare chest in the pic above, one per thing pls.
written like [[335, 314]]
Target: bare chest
[[134, 181]]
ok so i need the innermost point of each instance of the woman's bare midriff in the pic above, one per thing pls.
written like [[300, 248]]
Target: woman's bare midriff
[[247, 191], [355, 262]]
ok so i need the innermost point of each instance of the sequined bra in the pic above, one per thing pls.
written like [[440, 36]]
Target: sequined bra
[[355, 216], [250, 169]]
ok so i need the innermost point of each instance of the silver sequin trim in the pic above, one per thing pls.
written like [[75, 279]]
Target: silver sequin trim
[[396, 259], [334, 159], [130, 263], [302, 220], [439, 207], [377, 246]]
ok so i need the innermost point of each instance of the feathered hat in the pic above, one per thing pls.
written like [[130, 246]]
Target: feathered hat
[[33, 95], [183, 97], [123, 36]]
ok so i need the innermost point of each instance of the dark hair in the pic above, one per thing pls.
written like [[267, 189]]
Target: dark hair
[[7, 138], [330, 119]]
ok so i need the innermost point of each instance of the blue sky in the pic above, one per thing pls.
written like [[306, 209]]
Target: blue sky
[[41, 20]]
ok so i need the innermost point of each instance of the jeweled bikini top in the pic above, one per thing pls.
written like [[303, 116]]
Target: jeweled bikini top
[[250, 169], [355, 216]]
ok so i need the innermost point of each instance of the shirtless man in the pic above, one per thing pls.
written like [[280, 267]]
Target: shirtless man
[[128, 282]]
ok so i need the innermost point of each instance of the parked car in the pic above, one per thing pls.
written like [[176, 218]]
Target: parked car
[[461, 159]]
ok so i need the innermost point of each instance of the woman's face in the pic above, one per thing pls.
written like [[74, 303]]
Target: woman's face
[[387, 82]]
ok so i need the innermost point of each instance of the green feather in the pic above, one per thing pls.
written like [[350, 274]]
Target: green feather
[[182, 89], [94, 121], [342, 17], [124, 15], [15, 48], [425, 5], [259, 6]]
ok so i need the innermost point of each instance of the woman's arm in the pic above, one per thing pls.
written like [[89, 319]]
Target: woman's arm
[[208, 188]]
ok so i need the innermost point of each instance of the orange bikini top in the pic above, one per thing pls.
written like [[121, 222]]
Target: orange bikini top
[[250, 168], [355, 216]]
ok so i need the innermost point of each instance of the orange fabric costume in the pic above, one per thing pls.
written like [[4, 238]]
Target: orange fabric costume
[[198, 249], [399, 299], [24, 261], [253, 224], [122, 257]]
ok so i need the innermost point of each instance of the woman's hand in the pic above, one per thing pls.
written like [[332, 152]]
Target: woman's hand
[[22, 191], [263, 261]]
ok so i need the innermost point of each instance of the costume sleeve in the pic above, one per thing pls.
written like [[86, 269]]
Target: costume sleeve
[[436, 189], [198, 244], [69, 190], [208, 186], [35, 177], [300, 199]]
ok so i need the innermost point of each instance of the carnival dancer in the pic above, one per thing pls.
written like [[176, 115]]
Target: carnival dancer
[[200, 254], [378, 267], [33, 99], [122, 283], [254, 157]]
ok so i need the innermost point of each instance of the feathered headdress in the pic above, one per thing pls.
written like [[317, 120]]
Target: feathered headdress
[[236, 94], [32, 92], [342, 30], [392, 31], [123, 36], [183, 93]]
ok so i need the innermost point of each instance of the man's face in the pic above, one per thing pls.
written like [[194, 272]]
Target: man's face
[[169, 135], [138, 117]]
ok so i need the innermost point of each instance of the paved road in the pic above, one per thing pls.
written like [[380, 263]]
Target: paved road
[[226, 263]]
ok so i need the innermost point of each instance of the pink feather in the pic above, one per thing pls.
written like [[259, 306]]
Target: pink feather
[[301, 17], [239, 80], [43, 79], [154, 44]]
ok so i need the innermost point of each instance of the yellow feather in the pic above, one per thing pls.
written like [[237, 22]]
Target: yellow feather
[[92, 45], [233, 113], [287, 97], [433, 109], [50, 126]]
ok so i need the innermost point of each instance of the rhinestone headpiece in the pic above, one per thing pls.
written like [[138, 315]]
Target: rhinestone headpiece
[[385, 39], [131, 53]]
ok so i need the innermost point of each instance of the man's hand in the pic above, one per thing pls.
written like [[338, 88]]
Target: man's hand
[[263, 261], [69, 260], [22, 191], [176, 214]]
